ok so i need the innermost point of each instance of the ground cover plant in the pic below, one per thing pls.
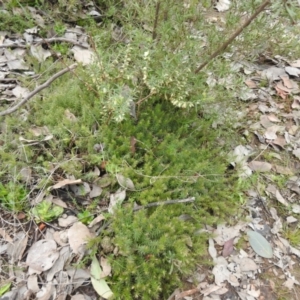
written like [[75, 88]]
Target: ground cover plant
[[136, 123]]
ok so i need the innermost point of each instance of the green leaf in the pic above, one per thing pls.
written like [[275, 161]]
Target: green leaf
[[99, 284], [4, 288], [259, 244], [85, 217]]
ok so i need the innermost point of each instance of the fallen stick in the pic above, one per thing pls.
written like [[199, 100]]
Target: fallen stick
[[37, 90]]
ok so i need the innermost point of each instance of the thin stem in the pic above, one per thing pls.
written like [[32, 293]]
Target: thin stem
[[154, 33], [233, 36]]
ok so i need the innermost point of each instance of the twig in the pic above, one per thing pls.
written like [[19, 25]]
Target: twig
[[233, 36], [154, 33], [37, 90], [191, 199]]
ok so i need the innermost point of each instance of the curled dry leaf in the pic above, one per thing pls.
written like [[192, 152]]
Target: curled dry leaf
[[70, 116], [211, 249], [96, 191], [16, 249], [97, 220], [106, 267], [125, 182], [271, 131], [280, 198], [115, 199]]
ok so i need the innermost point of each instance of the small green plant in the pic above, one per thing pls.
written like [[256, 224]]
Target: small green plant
[[293, 236], [45, 211], [59, 28], [85, 217], [16, 23], [13, 196]]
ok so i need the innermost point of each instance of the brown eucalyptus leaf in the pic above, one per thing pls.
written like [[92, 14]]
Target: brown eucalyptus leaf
[[228, 247], [260, 166]]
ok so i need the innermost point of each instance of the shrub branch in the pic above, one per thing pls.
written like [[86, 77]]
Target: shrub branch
[[37, 90], [233, 36]]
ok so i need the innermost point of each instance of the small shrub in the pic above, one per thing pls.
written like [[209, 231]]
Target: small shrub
[[13, 196]]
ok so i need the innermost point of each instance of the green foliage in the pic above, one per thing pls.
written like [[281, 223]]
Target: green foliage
[[45, 211], [292, 235], [155, 250], [175, 157], [15, 23], [4, 288], [13, 196], [85, 217]]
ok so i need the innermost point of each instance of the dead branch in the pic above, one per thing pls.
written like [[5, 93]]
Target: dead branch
[[233, 36], [37, 90]]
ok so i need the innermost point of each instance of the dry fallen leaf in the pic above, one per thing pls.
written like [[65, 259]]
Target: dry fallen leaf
[[228, 247], [96, 191], [116, 199], [84, 56], [260, 166], [78, 236], [247, 264], [41, 256], [106, 267], [296, 152], [283, 170], [5, 236], [125, 182], [65, 182]]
